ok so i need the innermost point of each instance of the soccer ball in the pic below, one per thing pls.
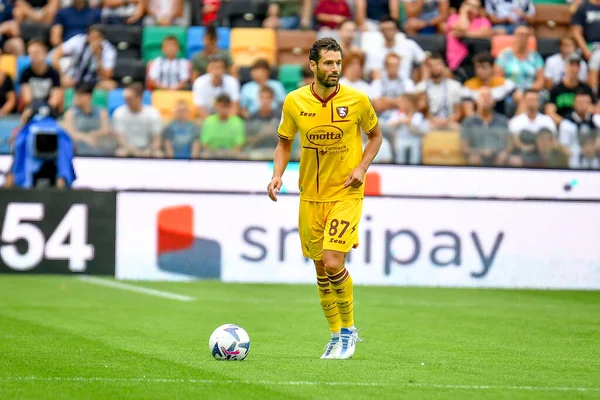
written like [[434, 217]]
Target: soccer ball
[[229, 342]]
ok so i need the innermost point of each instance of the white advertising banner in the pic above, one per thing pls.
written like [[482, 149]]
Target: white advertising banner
[[425, 242], [253, 176]]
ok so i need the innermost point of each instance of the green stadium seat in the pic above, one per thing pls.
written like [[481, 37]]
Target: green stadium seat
[[549, 2], [99, 98], [152, 38], [290, 75]]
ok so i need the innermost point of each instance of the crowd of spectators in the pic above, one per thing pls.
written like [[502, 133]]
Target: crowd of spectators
[[514, 108]]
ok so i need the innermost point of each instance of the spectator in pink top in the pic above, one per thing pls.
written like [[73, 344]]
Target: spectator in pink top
[[331, 13], [468, 23]]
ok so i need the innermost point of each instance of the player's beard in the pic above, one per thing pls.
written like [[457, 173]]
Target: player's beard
[[323, 78]]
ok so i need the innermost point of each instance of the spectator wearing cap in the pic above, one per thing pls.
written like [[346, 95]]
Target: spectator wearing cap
[[426, 16], [370, 12], [138, 126], [485, 137], [40, 82], [164, 13], [508, 15], [88, 125], [249, 96], [531, 119], [35, 11], [200, 60], [92, 60], [585, 27], [288, 14], [261, 127], [329, 14], [554, 70], [73, 20], [223, 133], [169, 72], [353, 73], [10, 31], [8, 96], [386, 90], [181, 136], [209, 86], [562, 96], [123, 12]]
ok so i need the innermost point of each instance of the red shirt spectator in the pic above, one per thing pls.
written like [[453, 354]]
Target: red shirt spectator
[[331, 13], [210, 9]]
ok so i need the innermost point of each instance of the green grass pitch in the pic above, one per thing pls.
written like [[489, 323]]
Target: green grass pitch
[[64, 338]]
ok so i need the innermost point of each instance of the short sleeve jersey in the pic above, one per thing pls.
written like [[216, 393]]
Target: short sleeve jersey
[[330, 135]]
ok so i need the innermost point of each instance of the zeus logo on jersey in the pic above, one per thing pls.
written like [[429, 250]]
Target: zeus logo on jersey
[[325, 135], [305, 114]]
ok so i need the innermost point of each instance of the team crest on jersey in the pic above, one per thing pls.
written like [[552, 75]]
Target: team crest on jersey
[[342, 111]]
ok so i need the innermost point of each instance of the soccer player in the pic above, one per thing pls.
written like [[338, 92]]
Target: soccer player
[[329, 118]]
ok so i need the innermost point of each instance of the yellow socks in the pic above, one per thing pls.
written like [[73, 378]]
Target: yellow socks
[[341, 286], [328, 304]]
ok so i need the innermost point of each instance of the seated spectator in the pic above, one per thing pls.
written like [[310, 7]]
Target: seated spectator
[[485, 137], [209, 86], [329, 14], [261, 127], [92, 60], [348, 40], [138, 126], [249, 98], [443, 94], [386, 90], [426, 16], [200, 59], [585, 27], [353, 73], [169, 72], [547, 153], [501, 88], [8, 96], [589, 158], [370, 12], [181, 136], [409, 127], [40, 83], [223, 133], [210, 11], [288, 14], [468, 23], [123, 12], [531, 119], [10, 31], [412, 54], [507, 16], [554, 71], [581, 122], [35, 11], [307, 76], [164, 13], [73, 20], [562, 96], [88, 125]]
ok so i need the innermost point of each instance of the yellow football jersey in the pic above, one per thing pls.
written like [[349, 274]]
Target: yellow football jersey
[[331, 141]]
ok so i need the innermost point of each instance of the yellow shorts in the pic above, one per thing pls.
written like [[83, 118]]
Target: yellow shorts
[[328, 226]]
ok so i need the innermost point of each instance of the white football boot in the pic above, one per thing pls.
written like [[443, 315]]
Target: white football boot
[[347, 346], [331, 348]]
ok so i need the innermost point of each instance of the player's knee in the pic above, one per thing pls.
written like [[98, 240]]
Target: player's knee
[[333, 262], [319, 267]]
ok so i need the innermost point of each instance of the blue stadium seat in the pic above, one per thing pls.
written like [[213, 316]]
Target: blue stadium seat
[[116, 99], [22, 63], [195, 41]]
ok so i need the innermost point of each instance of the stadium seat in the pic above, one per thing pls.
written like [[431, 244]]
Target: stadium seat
[[99, 98], [116, 99], [165, 101], [501, 42], [129, 70], [22, 63], [250, 44], [242, 13], [548, 46], [124, 36], [153, 36], [8, 64], [35, 30], [431, 43], [130, 53], [293, 46], [195, 39], [552, 20], [442, 148], [290, 75]]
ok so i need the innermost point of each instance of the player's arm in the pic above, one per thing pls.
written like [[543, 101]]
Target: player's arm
[[286, 132]]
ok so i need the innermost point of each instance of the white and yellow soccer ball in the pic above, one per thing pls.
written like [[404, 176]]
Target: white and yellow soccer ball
[[229, 342]]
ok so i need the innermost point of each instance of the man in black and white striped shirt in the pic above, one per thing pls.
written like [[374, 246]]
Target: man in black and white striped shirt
[[169, 72]]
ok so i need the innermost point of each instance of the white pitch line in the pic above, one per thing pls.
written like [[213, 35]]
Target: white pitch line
[[303, 383], [132, 288]]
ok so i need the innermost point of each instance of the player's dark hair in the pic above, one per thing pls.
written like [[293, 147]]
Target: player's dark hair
[[327, 44], [267, 89], [37, 40], [224, 99], [171, 38], [483, 58]]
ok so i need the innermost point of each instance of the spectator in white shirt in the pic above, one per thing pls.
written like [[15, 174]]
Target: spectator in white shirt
[[444, 95], [507, 15], [92, 59], [554, 71], [215, 82], [531, 120], [138, 126], [412, 54], [353, 72], [410, 126], [164, 13], [169, 72], [389, 86]]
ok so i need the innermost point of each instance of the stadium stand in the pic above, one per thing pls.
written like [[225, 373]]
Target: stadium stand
[[249, 44]]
